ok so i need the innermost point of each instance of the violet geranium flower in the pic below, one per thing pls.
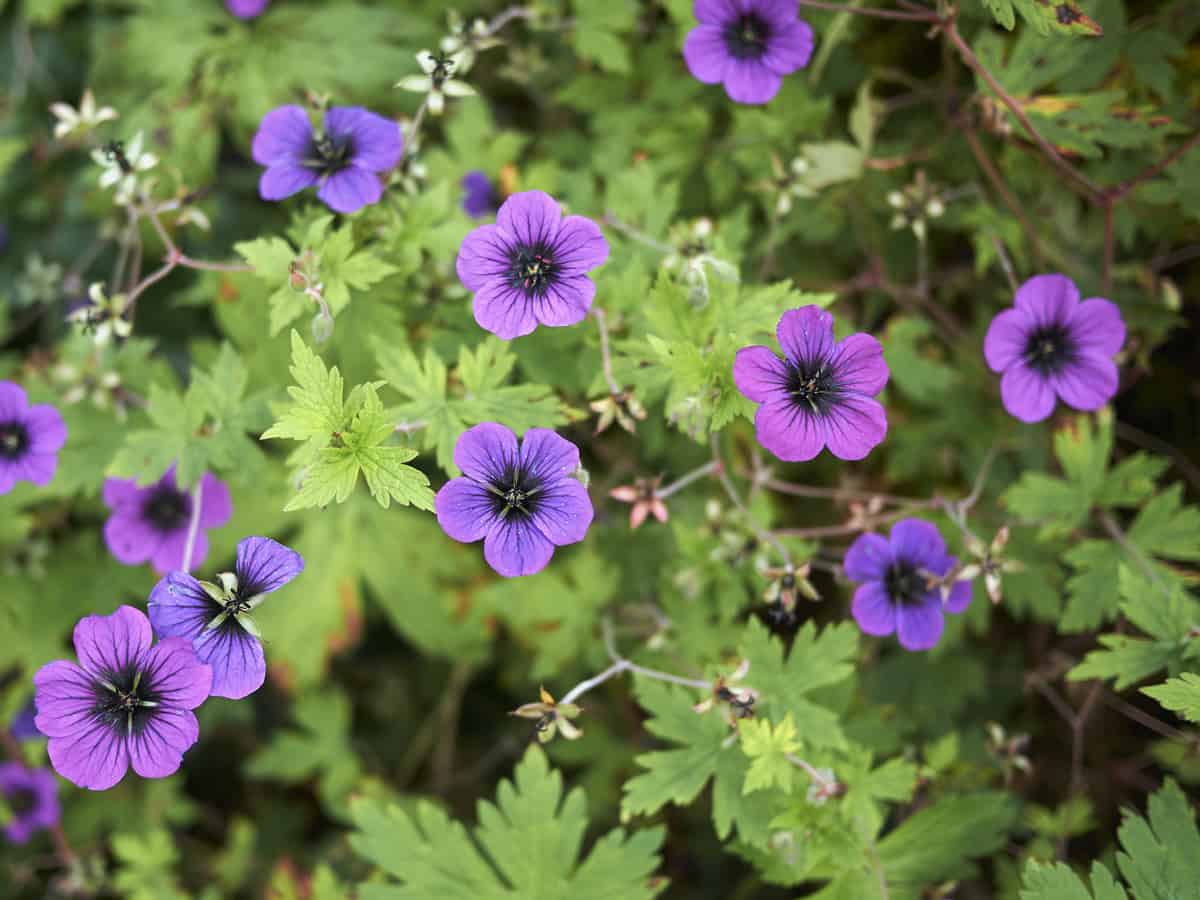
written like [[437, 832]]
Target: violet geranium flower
[[531, 266], [522, 503], [247, 9], [820, 394], [22, 726], [342, 158], [1049, 344], [479, 197], [216, 617], [895, 591], [30, 438], [125, 703], [31, 795], [747, 45], [151, 523]]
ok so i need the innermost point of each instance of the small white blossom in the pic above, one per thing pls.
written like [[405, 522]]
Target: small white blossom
[[438, 81], [86, 117], [104, 318], [122, 165]]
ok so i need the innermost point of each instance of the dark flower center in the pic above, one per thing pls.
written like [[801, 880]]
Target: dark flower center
[[330, 153], [166, 508], [1048, 349], [812, 385], [21, 801], [747, 37], [125, 700], [515, 494], [531, 269], [14, 438], [905, 584]]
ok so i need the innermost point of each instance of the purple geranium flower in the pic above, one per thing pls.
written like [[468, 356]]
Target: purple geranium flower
[[343, 158], [23, 727], [479, 197], [895, 575], [31, 795], [30, 438], [531, 266], [521, 502], [1051, 344], [151, 523], [247, 9], [819, 394], [748, 45], [126, 703], [216, 617]]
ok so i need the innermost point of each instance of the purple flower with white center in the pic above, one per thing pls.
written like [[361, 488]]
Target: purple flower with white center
[[31, 795], [216, 617], [30, 438], [895, 593], [820, 394], [343, 158], [125, 703], [531, 266], [247, 9], [1049, 344], [747, 45], [522, 503], [23, 727], [479, 197], [151, 523]]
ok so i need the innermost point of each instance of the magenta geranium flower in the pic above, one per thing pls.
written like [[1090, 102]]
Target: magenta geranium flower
[[820, 394], [31, 796], [125, 703], [521, 502], [216, 617], [531, 266], [342, 159], [1049, 344], [151, 523], [30, 438], [895, 576], [247, 9], [747, 45]]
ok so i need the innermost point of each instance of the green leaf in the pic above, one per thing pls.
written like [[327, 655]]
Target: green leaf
[[768, 748], [1042, 881], [317, 411], [1060, 16], [532, 837], [1182, 695]]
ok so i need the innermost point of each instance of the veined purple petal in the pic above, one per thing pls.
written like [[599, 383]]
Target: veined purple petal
[[91, 757], [759, 374], [157, 751], [874, 610], [917, 542], [465, 510], [486, 452], [107, 644], [178, 677], [750, 81], [789, 47], [1097, 327], [180, 607], [868, 558], [563, 512], [1087, 382], [236, 658], [579, 246], [960, 597], [264, 565], [285, 135], [375, 140], [1006, 339], [717, 12], [283, 179], [350, 189], [919, 626], [505, 312], [547, 457], [65, 698], [1048, 299], [484, 255], [532, 217], [806, 334], [1026, 394], [516, 547], [706, 54], [854, 425], [565, 302], [791, 433], [858, 360], [47, 431]]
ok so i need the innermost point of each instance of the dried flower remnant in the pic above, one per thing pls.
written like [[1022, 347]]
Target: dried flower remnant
[[820, 394], [1050, 345], [734, 700], [30, 438], [989, 563], [216, 618], [103, 318], [551, 718], [531, 267], [643, 495], [126, 703], [31, 796], [151, 523]]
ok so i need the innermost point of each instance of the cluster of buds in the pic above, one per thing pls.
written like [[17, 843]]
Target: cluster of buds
[[735, 701], [1009, 751], [625, 409], [787, 183], [82, 120], [824, 787], [101, 386], [104, 317], [643, 494], [303, 277], [27, 559], [41, 282], [693, 257], [915, 205], [468, 39], [439, 80], [551, 718], [123, 166], [987, 561]]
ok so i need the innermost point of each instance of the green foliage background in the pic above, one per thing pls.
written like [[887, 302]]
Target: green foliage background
[[1046, 750]]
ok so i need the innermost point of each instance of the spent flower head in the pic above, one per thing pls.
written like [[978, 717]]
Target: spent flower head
[[551, 718], [440, 78], [104, 317], [643, 495]]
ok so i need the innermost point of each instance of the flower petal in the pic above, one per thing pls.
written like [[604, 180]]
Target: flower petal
[[264, 565], [1007, 338], [716, 12], [487, 452], [789, 47], [776, 13], [47, 430], [960, 597], [93, 757], [1048, 299], [920, 625], [122, 492], [917, 543], [1027, 395], [216, 505], [706, 54], [868, 558], [859, 364], [532, 217], [376, 141], [1087, 382], [749, 81], [157, 750], [236, 657], [579, 246], [505, 312], [566, 302], [65, 696], [173, 671], [790, 432], [13, 402], [284, 134], [873, 609], [562, 511], [759, 374], [180, 607], [547, 457], [130, 538], [350, 189], [284, 179], [516, 547], [854, 425], [465, 510], [806, 334], [107, 644], [484, 257], [38, 467], [169, 555], [1097, 327]]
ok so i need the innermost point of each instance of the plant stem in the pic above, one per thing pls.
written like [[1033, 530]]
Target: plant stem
[[193, 526], [605, 352], [761, 533], [683, 481]]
